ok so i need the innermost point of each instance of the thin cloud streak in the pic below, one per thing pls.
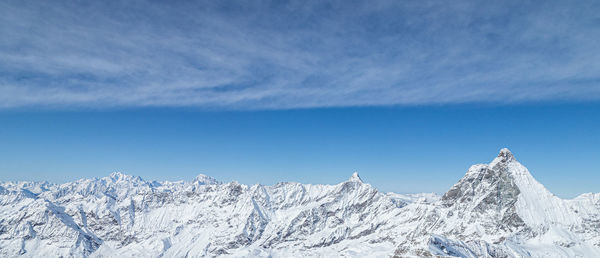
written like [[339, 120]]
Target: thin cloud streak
[[269, 55]]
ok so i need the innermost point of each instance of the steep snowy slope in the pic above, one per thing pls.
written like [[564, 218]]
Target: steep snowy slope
[[495, 210], [500, 210]]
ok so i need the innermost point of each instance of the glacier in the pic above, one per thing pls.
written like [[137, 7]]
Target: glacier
[[495, 210]]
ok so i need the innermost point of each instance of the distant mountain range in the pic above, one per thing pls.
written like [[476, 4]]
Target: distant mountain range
[[495, 210]]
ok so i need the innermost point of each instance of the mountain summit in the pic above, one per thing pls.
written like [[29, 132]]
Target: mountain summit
[[502, 203], [495, 210], [206, 180], [505, 154], [355, 178]]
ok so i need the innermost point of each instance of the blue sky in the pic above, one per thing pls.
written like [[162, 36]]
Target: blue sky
[[265, 91], [401, 149]]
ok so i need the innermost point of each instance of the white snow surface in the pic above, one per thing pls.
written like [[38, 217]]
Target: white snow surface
[[495, 210]]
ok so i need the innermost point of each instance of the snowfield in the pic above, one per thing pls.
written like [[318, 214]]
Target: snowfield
[[495, 210]]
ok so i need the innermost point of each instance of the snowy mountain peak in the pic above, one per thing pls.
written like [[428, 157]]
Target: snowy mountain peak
[[505, 152], [504, 157], [206, 180], [355, 178], [118, 176], [504, 197]]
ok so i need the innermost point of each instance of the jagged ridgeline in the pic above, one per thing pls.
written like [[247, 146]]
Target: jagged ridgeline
[[495, 210]]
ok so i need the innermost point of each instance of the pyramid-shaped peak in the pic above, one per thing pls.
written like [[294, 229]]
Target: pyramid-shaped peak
[[505, 152], [355, 178], [504, 156]]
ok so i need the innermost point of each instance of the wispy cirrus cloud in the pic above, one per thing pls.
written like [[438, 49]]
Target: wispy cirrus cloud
[[255, 55]]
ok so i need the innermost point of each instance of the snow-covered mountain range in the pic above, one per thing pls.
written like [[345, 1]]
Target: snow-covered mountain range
[[495, 210]]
